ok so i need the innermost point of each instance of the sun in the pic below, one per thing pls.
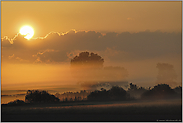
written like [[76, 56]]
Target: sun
[[28, 31]]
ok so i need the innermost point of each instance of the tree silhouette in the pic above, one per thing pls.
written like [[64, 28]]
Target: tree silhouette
[[98, 96], [88, 59], [135, 92], [86, 67], [35, 96], [88, 70], [16, 102], [115, 93], [133, 87], [159, 91], [178, 90]]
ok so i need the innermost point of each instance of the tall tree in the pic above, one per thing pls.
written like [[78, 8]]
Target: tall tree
[[88, 59], [86, 67]]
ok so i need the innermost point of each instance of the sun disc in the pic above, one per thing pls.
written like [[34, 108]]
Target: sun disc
[[27, 31]]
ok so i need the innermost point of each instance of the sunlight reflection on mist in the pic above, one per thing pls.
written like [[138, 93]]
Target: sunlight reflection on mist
[[112, 105]]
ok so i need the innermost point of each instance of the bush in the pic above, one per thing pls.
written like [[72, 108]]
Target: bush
[[99, 96], [36, 96], [16, 102], [115, 93], [160, 91]]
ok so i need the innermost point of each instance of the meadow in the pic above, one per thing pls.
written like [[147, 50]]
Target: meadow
[[139, 110]]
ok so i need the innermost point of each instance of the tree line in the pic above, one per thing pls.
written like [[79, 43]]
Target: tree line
[[116, 93]]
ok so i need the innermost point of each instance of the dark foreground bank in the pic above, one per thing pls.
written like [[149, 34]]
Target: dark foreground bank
[[90, 117], [93, 111]]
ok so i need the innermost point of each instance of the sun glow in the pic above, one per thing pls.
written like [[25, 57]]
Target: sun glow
[[27, 31]]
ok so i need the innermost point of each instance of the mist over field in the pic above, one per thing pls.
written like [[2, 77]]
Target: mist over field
[[91, 61], [47, 60]]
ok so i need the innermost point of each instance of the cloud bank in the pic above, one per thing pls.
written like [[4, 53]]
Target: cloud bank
[[61, 47]]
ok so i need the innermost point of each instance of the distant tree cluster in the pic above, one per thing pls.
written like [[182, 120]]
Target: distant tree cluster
[[135, 91], [36, 96], [88, 67], [73, 96], [160, 91], [178, 90], [115, 93], [16, 103], [86, 58]]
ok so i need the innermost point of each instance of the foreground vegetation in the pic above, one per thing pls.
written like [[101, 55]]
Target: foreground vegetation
[[115, 104], [116, 93]]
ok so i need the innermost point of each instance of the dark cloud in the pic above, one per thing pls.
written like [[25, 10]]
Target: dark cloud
[[51, 56], [114, 46]]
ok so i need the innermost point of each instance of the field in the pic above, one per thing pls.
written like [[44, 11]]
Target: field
[[164, 110]]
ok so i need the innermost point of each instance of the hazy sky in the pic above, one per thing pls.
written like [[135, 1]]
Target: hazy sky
[[98, 16], [133, 35]]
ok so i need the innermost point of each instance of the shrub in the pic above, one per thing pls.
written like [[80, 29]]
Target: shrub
[[115, 93], [159, 91], [36, 96], [16, 102]]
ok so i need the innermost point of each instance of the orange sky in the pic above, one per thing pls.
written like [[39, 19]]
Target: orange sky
[[98, 16], [133, 35]]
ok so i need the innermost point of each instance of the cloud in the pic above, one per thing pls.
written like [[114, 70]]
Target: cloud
[[112, 54], [10, 57], [16, 59], [112, 46], [137, 52], [8, 41], [50, 56]]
